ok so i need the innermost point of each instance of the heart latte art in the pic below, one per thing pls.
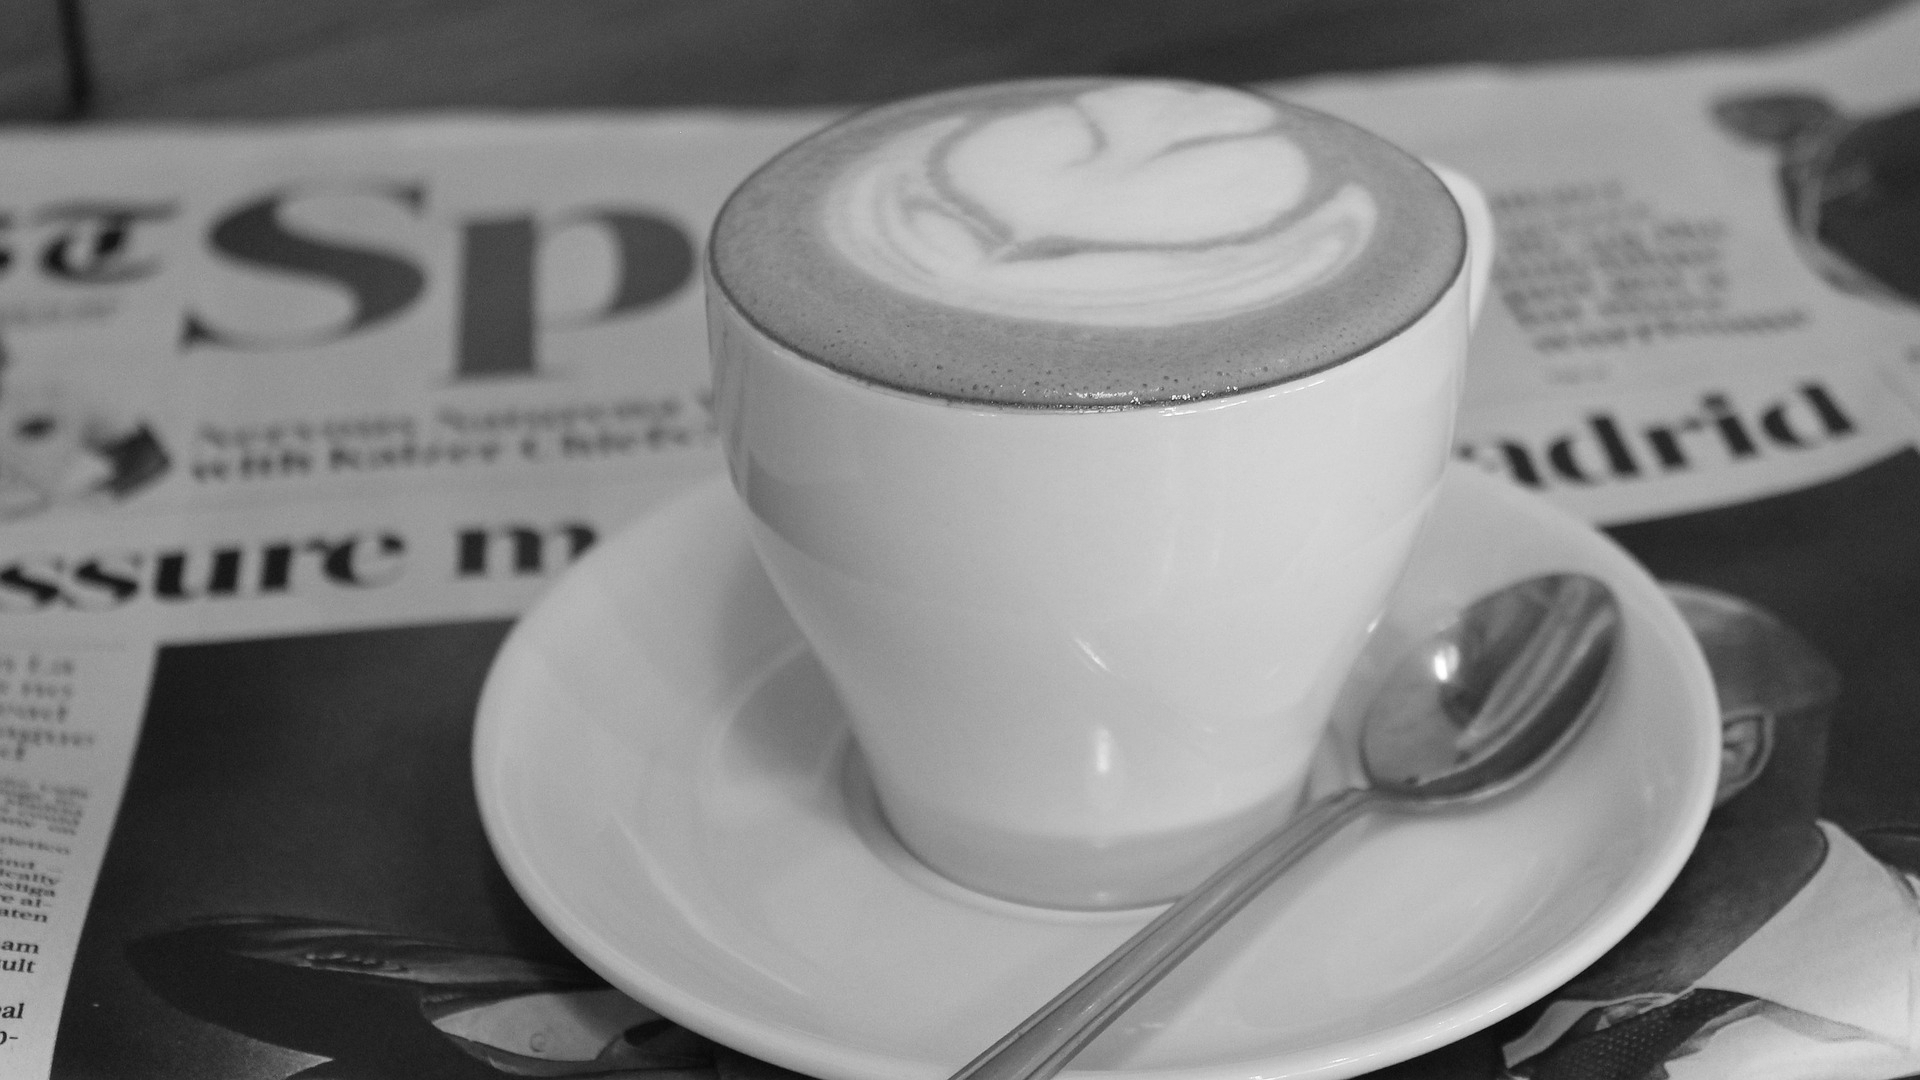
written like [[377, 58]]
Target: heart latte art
[[1086, 243], [1128, 205]]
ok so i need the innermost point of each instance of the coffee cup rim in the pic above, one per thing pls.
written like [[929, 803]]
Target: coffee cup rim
[[716, 279]]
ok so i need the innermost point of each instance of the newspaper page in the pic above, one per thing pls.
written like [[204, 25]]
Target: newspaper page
[[1698, 260], [1706, 328], [295, 420]]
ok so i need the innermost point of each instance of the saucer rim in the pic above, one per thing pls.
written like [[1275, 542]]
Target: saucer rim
[[817, 1053]]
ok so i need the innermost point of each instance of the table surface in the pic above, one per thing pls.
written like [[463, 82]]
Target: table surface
[[189, 59]]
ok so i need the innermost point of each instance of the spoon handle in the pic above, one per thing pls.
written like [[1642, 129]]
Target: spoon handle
[[1043, 1043]]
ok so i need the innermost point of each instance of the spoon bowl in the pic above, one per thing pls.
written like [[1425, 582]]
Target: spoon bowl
[[1477, 710], [1489, 700]]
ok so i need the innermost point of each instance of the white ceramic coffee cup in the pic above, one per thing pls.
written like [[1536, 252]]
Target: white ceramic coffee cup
[[1086, 653]]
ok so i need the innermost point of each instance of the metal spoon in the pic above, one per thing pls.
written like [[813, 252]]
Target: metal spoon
[[1475, 711]]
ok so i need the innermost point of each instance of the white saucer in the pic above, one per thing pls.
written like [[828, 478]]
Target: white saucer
[[666, 777]]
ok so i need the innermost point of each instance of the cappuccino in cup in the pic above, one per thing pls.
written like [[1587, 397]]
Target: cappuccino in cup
[[1084, 426]]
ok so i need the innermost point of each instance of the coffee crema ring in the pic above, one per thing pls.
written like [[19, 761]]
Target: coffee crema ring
[[1086, 243]]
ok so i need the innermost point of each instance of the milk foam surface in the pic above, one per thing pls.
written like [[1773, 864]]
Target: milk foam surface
[[1087, 243]]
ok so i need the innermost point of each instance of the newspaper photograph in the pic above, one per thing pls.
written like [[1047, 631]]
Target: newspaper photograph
[[296, 419]]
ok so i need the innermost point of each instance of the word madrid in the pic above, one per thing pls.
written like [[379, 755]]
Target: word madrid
[[1608, 447], [259, 570], [104, 244]]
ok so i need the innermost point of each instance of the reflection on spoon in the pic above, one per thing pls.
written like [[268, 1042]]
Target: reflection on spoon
[[1476, 711]]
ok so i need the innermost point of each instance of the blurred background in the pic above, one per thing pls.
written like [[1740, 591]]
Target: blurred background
[[63, 60]]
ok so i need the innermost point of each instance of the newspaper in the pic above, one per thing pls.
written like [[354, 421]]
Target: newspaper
[[294, 420]]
